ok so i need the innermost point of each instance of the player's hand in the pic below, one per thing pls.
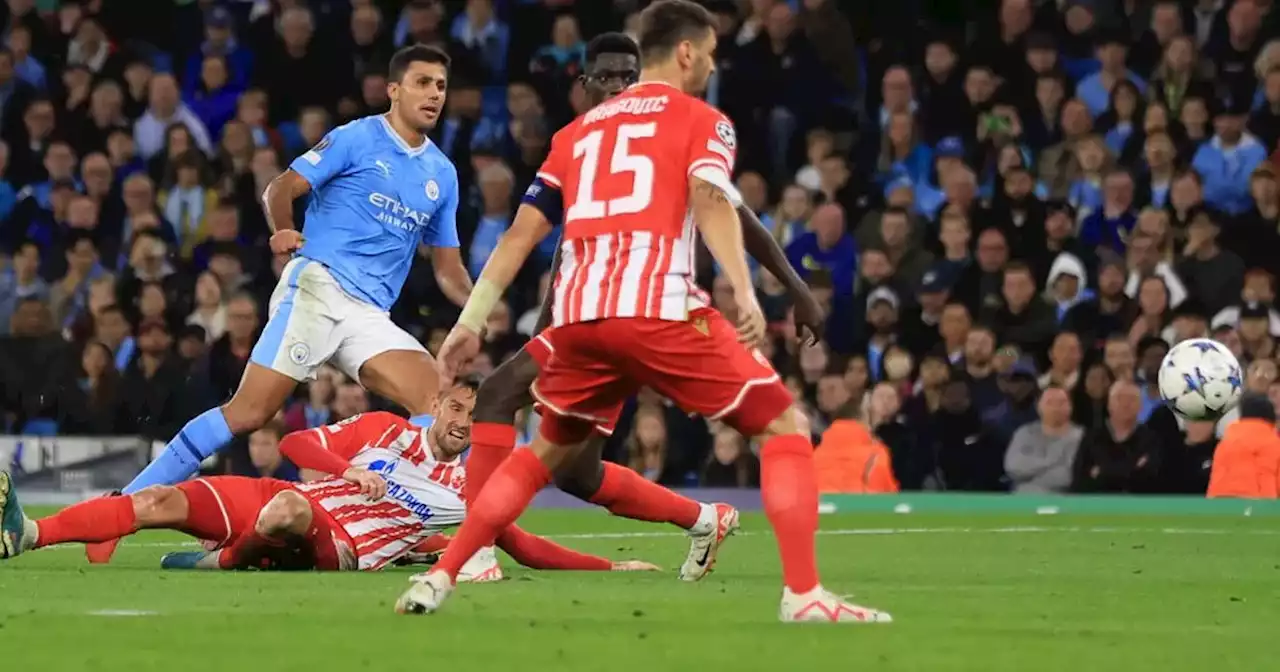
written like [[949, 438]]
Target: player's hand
[[286, 241], [751, 324], [635, 566], [810, 320], [371, 485], [460, 347]]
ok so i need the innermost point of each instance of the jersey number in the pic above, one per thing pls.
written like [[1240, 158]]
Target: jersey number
[[622, 160]]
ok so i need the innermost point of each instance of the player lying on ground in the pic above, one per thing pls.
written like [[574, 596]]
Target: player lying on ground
[[399, 484], [642, 174], [378, 189], [613, 63]]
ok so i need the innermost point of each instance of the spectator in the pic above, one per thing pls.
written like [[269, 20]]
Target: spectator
[[151, 384], [264, 454], [850, 460], [1211, 273], [1233, 50], [1177, 78], [213, 98], [1059, 165], [164, 109], [647, 445], [28, 68], [827, 247], [24, 283], [1089, 402], [316, 410], [1227, 161], [1025, 319], [210, 312], [968, 458], [187, 204], [1122, 456], [93, 405], [69, 296], [496, 184], [978, 372], [296, 71], [230, 354], [1041, 454], [1065, 357], [1095, 90], [731, 465]]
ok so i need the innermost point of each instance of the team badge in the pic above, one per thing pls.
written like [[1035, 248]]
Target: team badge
[[433, 190], [299, 353], [724, 129]]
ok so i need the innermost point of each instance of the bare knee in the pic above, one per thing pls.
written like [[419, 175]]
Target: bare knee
[[287, 513], [408, 378], [792, 421], [159, 505]]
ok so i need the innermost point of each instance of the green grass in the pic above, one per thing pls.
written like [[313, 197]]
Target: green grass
[[968, 593]]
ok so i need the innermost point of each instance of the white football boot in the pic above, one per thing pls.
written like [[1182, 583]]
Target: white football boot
[[822, 606], [717, 523], [427, 592], [483, 567]]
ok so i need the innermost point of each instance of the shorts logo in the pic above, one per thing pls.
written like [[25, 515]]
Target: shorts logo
[[299, 353], [725, 130], [433, 190], [700, 324]]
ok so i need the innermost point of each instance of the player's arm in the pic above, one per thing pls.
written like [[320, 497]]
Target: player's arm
[[278, 198], [544, 200], [446, 249], [761, 244], [310, 171], [330, 449]]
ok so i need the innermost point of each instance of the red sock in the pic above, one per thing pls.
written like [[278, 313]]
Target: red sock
[[491, 443], [96, 520], [789, 487], [509, 492], [629, 495], [248, 551]]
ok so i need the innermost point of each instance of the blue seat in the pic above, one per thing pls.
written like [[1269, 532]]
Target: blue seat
[[39, 427]]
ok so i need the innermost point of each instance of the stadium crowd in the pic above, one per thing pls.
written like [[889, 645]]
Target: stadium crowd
[[1011, 210]]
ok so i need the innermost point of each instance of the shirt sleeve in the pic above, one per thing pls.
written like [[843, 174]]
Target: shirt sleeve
[[443, 231], [327, 159], [346, 438], [713, 147]]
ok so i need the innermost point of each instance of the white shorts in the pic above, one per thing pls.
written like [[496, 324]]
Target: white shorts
[[313, 321]]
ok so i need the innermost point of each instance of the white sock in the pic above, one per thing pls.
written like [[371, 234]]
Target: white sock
[[707, 522], [30, 534]]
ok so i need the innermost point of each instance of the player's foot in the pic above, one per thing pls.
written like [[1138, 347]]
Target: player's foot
[[704, 547], [190, 560], [822, 606], [483, 567], [426, 593], [101, 552], [17, 533]]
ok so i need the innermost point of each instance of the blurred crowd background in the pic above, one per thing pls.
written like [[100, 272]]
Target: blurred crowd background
[[1011, 209]]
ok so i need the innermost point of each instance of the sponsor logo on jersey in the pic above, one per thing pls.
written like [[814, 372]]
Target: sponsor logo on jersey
[[394, 213], [405, 498], [384, 467]]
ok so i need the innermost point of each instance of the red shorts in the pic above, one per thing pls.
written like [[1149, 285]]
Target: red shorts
[[698, 364], [224, 508], [540, 350]]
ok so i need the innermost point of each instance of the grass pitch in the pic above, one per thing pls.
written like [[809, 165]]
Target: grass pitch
[[1025, 594]]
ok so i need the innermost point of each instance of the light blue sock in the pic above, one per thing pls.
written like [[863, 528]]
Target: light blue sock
[[202, 437]]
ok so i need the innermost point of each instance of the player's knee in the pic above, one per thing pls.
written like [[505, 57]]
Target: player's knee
[[287, 512], [159, 505], [581, 482], [498, 398], [790, 421]]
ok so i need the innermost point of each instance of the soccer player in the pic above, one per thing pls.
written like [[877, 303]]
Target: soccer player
[[378, 189], [396, 484], [641, 174], [613, 63]]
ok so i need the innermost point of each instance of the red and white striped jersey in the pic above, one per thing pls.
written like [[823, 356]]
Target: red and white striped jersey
[[424, 495], [623, 169]]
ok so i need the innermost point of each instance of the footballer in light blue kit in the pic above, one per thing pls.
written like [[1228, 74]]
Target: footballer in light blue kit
[[378, 190]]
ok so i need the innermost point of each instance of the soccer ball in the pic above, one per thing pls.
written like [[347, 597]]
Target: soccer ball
[[1200, 379]]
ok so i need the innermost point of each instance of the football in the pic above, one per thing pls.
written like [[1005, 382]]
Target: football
[[1200, 379]]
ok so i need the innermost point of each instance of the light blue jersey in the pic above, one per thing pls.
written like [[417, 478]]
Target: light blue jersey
[[373, 200]]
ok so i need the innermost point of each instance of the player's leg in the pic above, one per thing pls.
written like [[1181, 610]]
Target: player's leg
[[96, 520], [386, 359], [627, 494], [493, 434], [701, 366], [298, 338]]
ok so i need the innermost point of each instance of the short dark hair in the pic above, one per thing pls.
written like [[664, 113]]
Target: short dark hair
[[417, 53], [667, 23], [896, 210], [465, 382], [612, 43], [1019, 267]]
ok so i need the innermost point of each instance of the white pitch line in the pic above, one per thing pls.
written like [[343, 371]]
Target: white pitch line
[[869, 531]]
